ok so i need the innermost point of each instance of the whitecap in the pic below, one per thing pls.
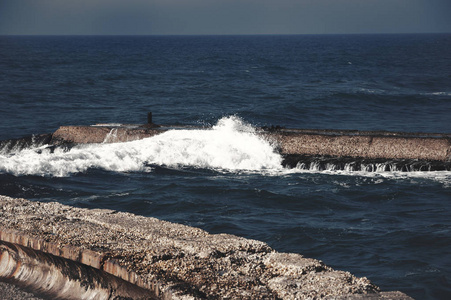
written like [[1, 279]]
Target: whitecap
[[231, 145]]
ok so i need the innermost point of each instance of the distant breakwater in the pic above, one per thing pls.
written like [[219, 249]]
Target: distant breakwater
[[350, 150]]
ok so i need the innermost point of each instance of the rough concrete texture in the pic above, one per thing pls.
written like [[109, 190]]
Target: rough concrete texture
[[101, 134], [175, 261], [364, 146], [10, 291], [57, 277], [370, 145]]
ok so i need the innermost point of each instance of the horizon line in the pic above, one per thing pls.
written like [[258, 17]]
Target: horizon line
[[229, 34]]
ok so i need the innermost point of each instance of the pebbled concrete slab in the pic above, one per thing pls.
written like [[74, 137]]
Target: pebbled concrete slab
[[10, 291], [171, 260], [101, 134], [365, 145]]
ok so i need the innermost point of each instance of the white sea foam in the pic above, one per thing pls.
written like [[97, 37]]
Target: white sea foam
[[437, 94], [443, 177], [230, 145], [441, 94]]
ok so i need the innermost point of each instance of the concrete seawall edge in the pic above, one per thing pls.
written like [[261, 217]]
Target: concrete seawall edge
[[174, 261]]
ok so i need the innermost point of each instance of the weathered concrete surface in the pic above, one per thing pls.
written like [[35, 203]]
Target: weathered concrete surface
[[101, 134], [369, 145], [344, 143], [10, 291], [58, 277], [175, 261]]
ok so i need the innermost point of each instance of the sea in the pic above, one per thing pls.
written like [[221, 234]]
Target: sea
[[218, 173]]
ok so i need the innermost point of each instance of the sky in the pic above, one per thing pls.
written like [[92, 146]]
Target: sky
[[179, 17]]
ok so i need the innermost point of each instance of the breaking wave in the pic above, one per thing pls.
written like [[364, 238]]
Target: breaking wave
[[229, 145]]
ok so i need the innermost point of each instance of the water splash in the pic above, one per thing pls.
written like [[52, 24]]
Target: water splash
[[111, 137], [17, 145], [230, 145], [379, 170]]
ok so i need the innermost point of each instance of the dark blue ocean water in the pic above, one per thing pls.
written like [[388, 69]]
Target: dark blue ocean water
[[392, 227]]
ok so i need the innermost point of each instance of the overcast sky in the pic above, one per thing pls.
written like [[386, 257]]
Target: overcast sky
[[85, 17]]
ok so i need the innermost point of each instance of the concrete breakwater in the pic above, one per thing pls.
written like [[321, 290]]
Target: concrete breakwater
[[343, 143], [396, 151], [355, 150], [56, 248]]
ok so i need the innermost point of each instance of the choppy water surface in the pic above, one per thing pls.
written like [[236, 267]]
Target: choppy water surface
[[393, 227]]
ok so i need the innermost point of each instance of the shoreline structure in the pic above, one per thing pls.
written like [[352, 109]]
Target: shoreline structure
[[371, 145], [61, 251], [303, 148]]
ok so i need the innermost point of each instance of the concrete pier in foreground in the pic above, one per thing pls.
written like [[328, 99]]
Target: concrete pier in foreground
[[70, 252]]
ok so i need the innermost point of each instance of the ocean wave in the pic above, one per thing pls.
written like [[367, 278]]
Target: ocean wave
[[231, 144], [440, 93], [442, 177]]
